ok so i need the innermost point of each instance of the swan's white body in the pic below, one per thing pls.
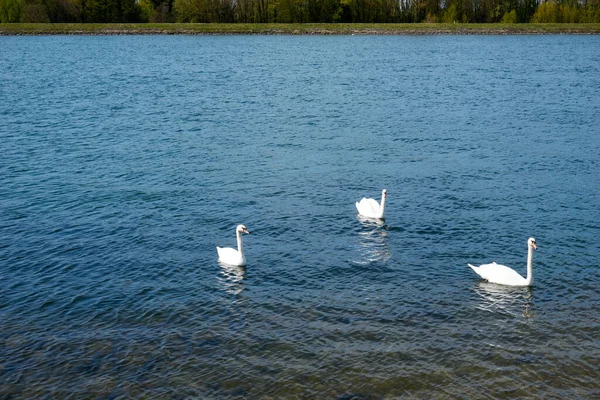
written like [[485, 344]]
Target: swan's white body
[[504, 275], [232, 256], [370, 208]]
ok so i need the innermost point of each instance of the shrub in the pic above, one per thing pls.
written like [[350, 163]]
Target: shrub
[[510, 17]]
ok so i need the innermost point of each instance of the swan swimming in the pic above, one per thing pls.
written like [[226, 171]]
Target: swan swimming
[[230, 255], [504, 275], [370, 208]]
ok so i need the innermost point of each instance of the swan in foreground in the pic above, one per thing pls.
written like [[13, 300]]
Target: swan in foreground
[[503, 275], [232, 256], [370, 208]]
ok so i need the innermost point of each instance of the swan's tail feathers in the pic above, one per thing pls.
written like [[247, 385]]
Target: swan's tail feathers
[[474, 268]]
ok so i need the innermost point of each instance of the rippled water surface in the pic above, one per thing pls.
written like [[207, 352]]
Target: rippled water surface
[[126, 160]]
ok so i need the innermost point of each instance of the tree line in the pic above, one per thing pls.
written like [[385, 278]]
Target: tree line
[[300, 11]]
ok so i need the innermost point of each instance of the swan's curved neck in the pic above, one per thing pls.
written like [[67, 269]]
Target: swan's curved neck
[[382, 207], [529, 279], [238, 234]]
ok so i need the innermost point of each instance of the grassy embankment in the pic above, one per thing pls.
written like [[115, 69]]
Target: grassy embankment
[[296, 29]]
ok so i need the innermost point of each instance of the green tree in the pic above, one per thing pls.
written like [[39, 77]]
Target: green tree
[[146, 9], [189, 10], [591, 11], [35, 12], [449, 15], [101, 11], [10, 10], [525, 10], [510, 17], [290, 11], [547, 12]]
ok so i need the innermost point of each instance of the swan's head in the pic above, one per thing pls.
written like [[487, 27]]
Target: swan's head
[[242, 228], [384, 193], [531, 243]]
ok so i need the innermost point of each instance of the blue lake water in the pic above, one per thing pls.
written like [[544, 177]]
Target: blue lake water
[[126, 160]]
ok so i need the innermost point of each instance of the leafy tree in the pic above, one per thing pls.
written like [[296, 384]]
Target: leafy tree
[[525, 10], [162, 11], [290, 11], [146, 8], [591, 11], [510, 17], [450, 14], [186, 10], [298, 11], [35, 12], [10, 10], [547, 12], [61, 10], [101, 11]]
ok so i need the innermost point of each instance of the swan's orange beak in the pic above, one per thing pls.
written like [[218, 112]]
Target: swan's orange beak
[[246, 231], [534, 244]]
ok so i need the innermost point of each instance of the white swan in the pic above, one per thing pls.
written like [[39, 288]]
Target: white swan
[[503, 275], [232, 256], [370, 208]]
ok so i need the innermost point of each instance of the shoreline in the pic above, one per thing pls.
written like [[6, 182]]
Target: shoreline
[[296, 29]]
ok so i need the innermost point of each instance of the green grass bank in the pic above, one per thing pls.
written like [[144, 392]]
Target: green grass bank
[[297, 29]]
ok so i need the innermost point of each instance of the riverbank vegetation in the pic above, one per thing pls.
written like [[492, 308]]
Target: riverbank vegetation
[[293, 29], [300, 11]]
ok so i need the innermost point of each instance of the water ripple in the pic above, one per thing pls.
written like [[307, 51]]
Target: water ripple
[[129, 160]]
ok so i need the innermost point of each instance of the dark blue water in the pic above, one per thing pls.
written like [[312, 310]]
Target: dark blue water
[[124, 161]]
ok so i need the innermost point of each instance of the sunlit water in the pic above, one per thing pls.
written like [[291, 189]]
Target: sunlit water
[[126, 160]]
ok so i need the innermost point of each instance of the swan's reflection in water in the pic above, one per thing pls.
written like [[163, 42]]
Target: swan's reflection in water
[[231, 278], [373, 241], [512, 300], [370, 222]]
